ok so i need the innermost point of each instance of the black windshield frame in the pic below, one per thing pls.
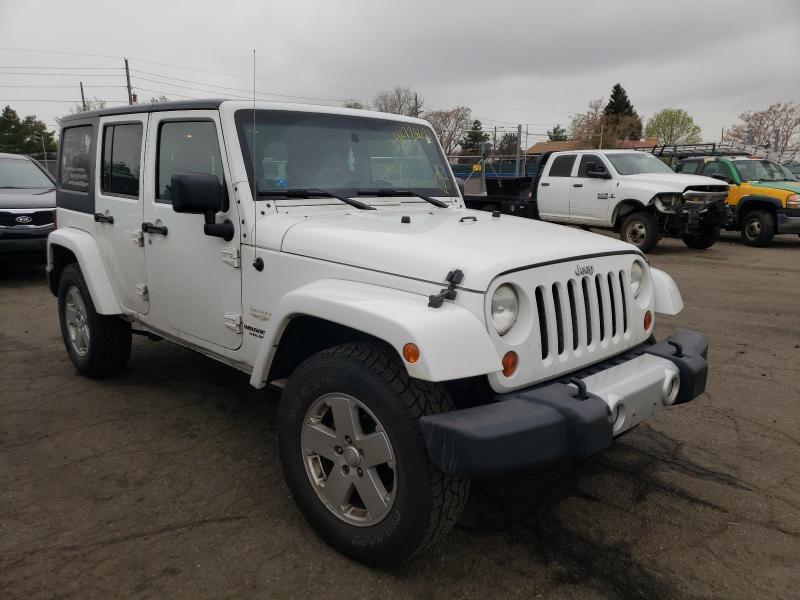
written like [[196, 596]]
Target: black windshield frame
[[433, 152]]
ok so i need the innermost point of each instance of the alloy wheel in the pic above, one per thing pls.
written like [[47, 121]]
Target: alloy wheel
[[349, 459], [76, 318]]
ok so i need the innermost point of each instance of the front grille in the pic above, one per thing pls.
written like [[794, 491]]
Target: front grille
[[38, 217], [582, 312]]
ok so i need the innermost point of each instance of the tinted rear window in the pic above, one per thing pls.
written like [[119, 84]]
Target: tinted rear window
[[122, 150], [562, 166], [76, 158]]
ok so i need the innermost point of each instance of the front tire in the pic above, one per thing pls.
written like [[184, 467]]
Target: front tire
[[354, 457], [758, 228], [641, 230], [703, 240], [98, 345]]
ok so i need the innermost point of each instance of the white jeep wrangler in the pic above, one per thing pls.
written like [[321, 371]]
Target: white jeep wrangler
[[327, 252]]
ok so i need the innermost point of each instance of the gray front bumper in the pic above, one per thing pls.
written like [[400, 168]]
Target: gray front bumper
[[574, 417]]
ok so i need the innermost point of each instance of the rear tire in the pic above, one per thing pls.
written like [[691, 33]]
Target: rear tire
[[641, 230], [703, 240], [98, 345], [758, 228], [366, 384]]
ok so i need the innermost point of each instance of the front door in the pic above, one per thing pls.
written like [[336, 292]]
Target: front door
[[194, 280], [552, 195], [588, 201], [119, 208]]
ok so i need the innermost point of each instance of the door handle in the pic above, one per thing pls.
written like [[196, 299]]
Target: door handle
[[544, 184], [150, 228], [101, 218], [577, 185]]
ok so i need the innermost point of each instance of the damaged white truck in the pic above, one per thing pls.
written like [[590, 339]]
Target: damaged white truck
[[328, 252]]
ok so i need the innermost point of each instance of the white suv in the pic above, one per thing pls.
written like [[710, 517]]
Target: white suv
[[327, 252]]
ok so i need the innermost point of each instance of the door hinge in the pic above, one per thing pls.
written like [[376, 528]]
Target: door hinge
[[142, 291], [231, 256], [138, 238], [233, 321]]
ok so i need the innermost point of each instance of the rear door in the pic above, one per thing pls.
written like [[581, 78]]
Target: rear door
[[119, 207], [194, 280], [588, 201], [552, 197]]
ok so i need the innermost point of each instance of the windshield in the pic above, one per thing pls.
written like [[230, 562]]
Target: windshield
[[340, 153], [19, 173], [759, 170], [636, 163]]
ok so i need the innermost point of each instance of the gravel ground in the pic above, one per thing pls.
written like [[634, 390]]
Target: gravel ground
[[164, 481]]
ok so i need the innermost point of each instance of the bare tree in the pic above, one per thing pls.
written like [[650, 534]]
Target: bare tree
[[449, 125], [399, 100], [91, 104], [587, 126], [353, 103], [776, 128]]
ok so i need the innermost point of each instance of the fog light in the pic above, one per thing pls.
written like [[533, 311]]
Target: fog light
[[411, 353], [509, 363], [648, 320]]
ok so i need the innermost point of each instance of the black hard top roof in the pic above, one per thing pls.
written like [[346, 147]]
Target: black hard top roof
[[211, 104]]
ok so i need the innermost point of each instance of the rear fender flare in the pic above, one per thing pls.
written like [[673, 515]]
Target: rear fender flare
[[84, 247], [453, 342]]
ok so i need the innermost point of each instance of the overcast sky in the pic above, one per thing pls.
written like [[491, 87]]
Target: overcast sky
[[534, 63]]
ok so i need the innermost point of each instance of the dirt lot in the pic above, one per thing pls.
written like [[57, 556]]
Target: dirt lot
[[165, 482]]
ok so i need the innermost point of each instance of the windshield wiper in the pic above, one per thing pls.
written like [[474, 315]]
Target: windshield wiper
[[388, 192], [308, 193]]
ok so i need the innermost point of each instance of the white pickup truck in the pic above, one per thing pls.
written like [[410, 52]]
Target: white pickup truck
[[631, 192], [327, 252]]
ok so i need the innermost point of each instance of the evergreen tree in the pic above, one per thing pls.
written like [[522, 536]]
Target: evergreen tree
[[474, 138], [557, 133], [621, 118], [24, 136]]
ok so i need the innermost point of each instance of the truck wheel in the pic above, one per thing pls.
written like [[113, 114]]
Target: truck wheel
[[354, 457], [703, 240], [641, 230], [758, 228], [97, 344]]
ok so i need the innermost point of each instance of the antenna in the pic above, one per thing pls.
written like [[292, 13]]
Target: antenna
[[258, 262]]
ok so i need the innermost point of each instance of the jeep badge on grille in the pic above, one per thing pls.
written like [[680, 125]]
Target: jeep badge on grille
[[587, 270]]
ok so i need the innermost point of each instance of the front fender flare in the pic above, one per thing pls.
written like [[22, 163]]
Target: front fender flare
[[668, 300], [453, 342], [84, 247]]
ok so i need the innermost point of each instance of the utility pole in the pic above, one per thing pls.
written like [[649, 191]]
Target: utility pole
[[128, 78], [519, 147], [416, 105], [83, 98], [601, 136], [494, 142]]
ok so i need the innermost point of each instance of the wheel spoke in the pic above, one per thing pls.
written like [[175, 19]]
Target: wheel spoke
[[372, 492], [318, 439], [345, 417], [336, 489], [375, 448], [70, 313]]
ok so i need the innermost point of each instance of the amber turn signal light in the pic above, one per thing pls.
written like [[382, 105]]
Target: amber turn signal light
[[648, 320], [411, 352], [509, 363]]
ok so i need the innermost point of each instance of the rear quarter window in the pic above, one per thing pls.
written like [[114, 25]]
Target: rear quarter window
[[76, 158], [562, 166]]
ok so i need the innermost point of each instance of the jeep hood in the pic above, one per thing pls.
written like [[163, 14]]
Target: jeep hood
[[672, 181], [437, 241]]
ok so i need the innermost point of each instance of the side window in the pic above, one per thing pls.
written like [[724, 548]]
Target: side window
[[186, 147], [688, 166], [122, 151], [716, 168], [562, 166], [76, 146], [585, 160]]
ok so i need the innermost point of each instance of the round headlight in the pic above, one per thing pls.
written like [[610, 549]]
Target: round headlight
[[505, 307], [637, 275]]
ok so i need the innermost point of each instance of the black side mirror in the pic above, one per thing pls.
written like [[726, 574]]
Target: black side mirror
[[596, 171], [201, 193], [726, 178]]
